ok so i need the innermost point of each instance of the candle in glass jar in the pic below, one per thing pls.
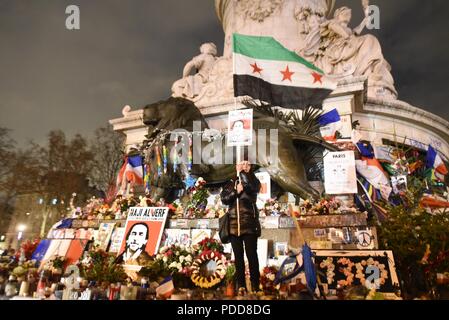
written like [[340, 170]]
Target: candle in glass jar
[[24, 289]]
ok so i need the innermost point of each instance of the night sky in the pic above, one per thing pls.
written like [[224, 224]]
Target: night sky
[[130, 52]]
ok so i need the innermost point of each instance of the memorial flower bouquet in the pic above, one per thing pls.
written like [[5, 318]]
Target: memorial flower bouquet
[[100, 266], [325, 206], [175, 261], [176, 258], [28, 247], [196, 206], [209, 244], [271, 208], [267, 277]]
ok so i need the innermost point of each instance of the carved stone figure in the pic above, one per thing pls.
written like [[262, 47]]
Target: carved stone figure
[[264, 17], [176, 113], [190, 85], [340, 51]]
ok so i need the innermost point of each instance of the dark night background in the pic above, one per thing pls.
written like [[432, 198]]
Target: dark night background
[[130, 52]]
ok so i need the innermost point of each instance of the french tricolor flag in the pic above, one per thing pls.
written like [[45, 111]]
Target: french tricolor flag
[[131, 171], [166, 288], [330, 123], [434, 161]]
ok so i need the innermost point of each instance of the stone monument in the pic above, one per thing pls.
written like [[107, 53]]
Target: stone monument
[[317, 30]]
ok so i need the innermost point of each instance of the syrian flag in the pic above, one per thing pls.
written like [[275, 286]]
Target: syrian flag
[[330, 123], [131, 171], [372, 171], [265, 70], [434, 161]]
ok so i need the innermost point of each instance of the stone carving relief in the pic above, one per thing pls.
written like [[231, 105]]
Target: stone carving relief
[[340, 51], [219, 87], [258, 10]]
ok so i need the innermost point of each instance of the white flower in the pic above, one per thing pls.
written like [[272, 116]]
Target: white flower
[[177, 253], [163, 249], [179, 266], [181, 259], [271, 277], [189, 258], [172, 265], [164, 259]]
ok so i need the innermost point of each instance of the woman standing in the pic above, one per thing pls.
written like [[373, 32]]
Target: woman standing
[[240, 194]]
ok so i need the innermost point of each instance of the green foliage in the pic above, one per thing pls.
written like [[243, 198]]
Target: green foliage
[[155, 270], [410, 231], [58, 262], [102, 268], [230, 272]]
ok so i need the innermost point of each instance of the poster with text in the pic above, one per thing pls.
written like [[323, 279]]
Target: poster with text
[[240, 128], [339, 173], [143, 232], [265, 189]]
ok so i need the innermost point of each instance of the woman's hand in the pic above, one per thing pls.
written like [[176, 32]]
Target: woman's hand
[[239, 188]]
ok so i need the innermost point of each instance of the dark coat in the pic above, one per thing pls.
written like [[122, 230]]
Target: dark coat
[[246, 220]]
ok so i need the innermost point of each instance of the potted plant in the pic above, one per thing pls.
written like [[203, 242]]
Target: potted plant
[[229, 280]]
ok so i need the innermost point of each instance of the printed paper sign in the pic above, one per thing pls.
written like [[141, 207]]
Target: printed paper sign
[[116, 240], [143, 232], [364, 239], [240, 128], [265, 189], [104, 235], [176, 236], [339, 173], [199, 234]]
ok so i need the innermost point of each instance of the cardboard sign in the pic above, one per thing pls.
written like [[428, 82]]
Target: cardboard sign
[[339, 173], [143, 232], [364, 239], [116, 240], [103, 236], [199, 234], [240, 128], [357, 267], [265, 189], [176, 236]]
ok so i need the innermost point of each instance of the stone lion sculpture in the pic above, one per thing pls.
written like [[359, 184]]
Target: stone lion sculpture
[[286, 168]]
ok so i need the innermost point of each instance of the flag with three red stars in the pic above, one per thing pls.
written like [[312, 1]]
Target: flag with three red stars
[[265, 70]]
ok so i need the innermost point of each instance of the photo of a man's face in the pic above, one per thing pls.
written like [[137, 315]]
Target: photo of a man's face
[[137, 237]]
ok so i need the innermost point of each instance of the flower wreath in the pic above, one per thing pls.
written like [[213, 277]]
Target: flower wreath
[[207, 282]]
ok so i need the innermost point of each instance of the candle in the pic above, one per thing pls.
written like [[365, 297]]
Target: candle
[[24, 289]]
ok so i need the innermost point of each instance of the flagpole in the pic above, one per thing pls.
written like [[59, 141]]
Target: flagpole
[[238, 148]]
